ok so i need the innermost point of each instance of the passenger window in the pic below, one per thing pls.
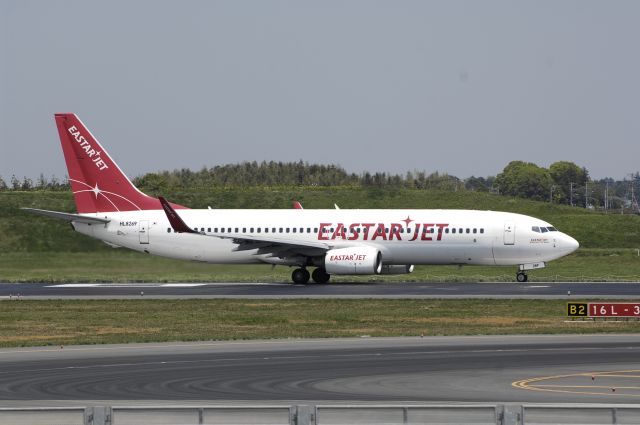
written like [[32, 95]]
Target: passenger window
[[222, 230], [481, 230], [228, 229], [453, 230], [259, 229], [168, 229], [202, 229], [439, 229], [460, 230], [446, 230], [266, 230], [251, 230], [308, 229], [236, 230], [475, 230], [432, 230], [280, 230], [294, 230], [315, 230], [273, 230], [215, 230], [287, 230], [244, 230], [209, 229], [467, 230]]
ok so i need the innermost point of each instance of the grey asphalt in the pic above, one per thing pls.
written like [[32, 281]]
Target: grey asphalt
[[537, 290], [434, 369]]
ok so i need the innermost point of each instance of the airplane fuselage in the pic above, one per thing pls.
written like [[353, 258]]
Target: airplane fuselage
[[418, 237]]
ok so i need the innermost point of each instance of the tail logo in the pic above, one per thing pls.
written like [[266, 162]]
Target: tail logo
[[91, 153], [97, 191]]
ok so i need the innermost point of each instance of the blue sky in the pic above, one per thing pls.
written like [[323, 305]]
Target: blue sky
[[461, 87]]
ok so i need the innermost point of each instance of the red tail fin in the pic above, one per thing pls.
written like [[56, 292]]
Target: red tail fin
[[97, 183]]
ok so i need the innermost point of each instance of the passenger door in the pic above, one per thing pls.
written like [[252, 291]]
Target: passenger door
[[509, 233], [143, 231]]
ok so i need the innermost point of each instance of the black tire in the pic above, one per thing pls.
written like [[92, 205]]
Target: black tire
[[522, 277], [320, 275], [300, 276]]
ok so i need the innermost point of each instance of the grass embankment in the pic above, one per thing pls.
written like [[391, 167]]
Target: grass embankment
[[128, 266], [34, 248], [27, 323], [25, 232]]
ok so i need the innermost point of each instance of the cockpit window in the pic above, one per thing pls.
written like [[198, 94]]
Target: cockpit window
[[552, 229], [543, 229], [536, 229]]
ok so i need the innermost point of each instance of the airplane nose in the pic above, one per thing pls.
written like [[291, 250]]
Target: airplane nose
[[570, 244]]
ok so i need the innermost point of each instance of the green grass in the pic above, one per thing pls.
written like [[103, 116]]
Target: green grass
[[23, 232], [34, 248], [65, 322], [127, 266]]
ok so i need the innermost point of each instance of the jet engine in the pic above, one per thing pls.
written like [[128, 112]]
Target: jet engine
[[354, 260]]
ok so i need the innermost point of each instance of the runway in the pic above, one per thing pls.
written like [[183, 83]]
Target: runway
[[563, 368], [537, 290]]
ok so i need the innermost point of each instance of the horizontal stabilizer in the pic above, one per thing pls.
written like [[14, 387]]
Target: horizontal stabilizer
[[67, 216]]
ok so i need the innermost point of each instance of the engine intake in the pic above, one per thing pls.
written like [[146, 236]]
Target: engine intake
[[355, 260]]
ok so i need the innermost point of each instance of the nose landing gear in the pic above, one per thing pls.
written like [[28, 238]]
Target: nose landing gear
[[522, 277]]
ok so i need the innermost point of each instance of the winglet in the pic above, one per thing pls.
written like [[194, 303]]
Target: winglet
[[177, 224], [296, 205]]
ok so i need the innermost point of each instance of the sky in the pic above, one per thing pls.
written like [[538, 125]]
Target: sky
[[453, 86]]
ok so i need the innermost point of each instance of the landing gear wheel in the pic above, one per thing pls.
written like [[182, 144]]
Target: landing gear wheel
[[300, 276], [320, 275], [521, 277]]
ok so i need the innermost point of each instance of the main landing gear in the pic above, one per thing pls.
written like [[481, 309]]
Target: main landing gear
[[522, 277], [320, 275], [301, 276]]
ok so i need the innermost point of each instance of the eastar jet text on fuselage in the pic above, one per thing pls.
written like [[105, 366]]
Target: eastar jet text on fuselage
[[332, 241]]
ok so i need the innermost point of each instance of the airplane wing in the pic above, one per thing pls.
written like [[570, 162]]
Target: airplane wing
[[68, 216], [264, 244]]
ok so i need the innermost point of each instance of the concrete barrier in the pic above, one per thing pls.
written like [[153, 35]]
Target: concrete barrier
[[334, 414]]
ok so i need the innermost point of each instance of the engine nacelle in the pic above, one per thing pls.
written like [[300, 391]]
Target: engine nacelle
[[354, 260], [397, 269]]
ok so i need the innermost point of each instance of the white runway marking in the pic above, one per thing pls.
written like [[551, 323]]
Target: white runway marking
[[157, 285], [538, 286]]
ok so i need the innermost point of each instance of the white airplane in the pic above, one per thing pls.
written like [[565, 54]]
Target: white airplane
[[333, 241]]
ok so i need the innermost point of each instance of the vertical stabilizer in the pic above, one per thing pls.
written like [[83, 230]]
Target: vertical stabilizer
[[97, 183]]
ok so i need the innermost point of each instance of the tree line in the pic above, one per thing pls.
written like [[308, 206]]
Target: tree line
[[563, 182]]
